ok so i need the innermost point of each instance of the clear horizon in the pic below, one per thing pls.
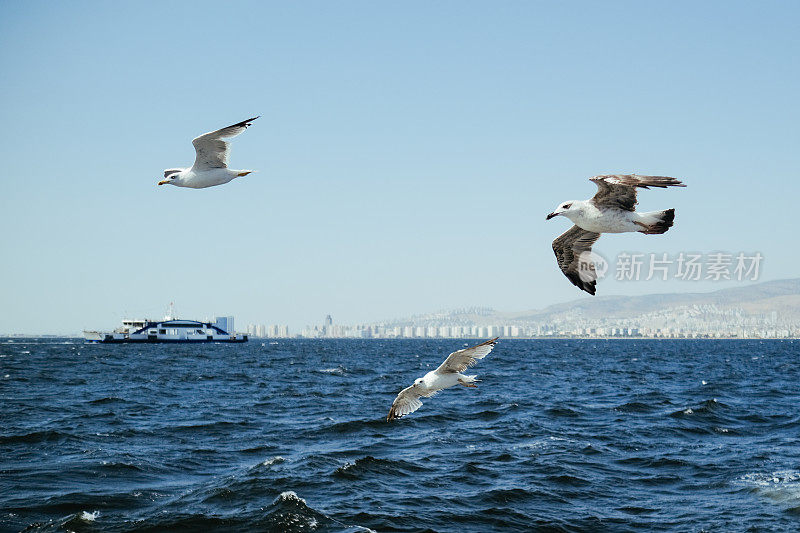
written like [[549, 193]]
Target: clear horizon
[[241, 327], [406, 155]]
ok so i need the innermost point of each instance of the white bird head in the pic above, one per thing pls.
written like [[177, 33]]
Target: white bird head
[[565, 209], [169, 180], [171, 177], [418, 381]]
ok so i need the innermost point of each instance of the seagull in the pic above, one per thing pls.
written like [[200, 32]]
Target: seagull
[[211, 164], [447, 375], [611, 210]]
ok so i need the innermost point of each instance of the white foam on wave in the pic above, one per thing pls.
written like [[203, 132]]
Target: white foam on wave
[[90, 517], [296, 519], [288, 496], [543, 443], [338, 370], [782, 486], [274, 460], [311, 521]]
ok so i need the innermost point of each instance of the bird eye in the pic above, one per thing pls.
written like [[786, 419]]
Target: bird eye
[[567, 206]]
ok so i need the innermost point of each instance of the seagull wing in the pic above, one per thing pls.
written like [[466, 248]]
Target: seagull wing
[[463, 359], [408, 401], [619, 190], [212, 151], [568, 247]]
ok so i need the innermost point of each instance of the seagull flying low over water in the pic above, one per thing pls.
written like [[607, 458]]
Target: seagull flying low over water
[[211, 164], [447, 375], [611, 210]]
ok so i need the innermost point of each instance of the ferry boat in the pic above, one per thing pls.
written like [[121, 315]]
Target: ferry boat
[[169, 329]]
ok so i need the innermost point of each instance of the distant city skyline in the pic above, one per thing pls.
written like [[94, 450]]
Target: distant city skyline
[[766, 310], [406, 156], [682, 322]]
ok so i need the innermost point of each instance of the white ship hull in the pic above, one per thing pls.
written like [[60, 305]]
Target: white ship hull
[[172, 330]]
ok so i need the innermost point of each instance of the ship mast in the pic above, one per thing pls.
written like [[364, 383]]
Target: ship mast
[[170, 312]]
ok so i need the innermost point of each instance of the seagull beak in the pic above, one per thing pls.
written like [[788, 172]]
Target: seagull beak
[[551, 215], [163, 182]]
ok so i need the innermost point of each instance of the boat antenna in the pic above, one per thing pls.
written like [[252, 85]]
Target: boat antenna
[[170, 312]]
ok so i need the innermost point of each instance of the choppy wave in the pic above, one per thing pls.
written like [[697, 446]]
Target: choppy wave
[[367, 466], [560, 436]]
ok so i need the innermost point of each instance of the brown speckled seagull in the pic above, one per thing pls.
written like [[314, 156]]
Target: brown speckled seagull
[[611, 210]]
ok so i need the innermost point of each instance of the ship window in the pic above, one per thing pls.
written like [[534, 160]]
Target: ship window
[[162, 331], [152, 332]]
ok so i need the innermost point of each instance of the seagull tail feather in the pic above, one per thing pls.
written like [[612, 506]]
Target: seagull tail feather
[[658, 221]]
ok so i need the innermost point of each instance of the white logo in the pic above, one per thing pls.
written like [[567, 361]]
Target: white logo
[[591, 266]]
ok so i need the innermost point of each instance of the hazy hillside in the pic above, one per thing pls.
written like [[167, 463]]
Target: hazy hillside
[[781, 296]]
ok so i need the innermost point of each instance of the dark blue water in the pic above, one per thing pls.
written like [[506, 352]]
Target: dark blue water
[[570, 435]]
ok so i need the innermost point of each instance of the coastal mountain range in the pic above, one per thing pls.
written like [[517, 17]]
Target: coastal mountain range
[[776, 301]]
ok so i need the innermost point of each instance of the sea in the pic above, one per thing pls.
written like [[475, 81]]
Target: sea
[[291, 436]]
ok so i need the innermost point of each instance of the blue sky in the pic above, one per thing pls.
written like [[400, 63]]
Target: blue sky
[[407, 152]]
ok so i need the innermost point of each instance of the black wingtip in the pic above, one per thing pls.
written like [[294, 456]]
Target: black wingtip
[[490, 341], [666, 181], [244, 123], [588, 286]]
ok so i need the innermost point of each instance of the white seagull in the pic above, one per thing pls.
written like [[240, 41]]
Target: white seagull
[[447, 375], [611, 210], [211, 164]]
